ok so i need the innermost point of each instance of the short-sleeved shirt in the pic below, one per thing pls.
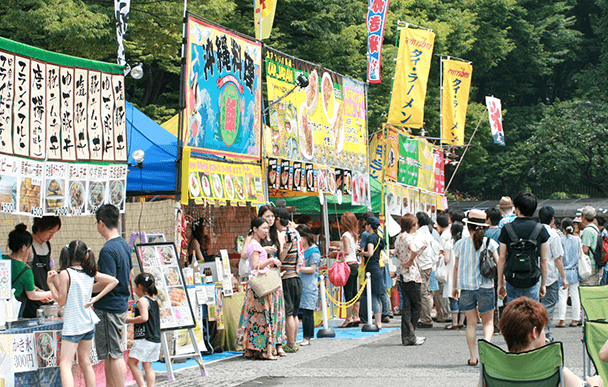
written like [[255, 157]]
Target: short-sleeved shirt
[[115, 261], [469, 276], [554, 251], [493, 233], [572, 250], [589, 239], [402, 248], [25, 282], [378, 244], [308, 301], [523, 228], [506, 219], [252, 247]]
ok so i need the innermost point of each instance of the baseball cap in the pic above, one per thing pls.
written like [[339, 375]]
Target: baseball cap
[[588, 212], [373, 221]]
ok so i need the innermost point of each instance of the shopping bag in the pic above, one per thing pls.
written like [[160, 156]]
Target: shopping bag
[[584, 266], [339, 272]]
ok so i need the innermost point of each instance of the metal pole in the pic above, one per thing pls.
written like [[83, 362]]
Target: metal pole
[[182, 105], [325, 331], [441, 101], [465, 151], [370, 326]]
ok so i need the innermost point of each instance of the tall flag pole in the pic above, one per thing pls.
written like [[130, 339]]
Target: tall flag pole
[[411, 77], [376, 19], [495, 115], [263, 17], [457, 75], [121, 12]]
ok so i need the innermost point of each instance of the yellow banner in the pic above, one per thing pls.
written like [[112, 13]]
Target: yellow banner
[[411, 77], [376, 157], [264, 10], [391, 160], [219, 181], [456, 84]]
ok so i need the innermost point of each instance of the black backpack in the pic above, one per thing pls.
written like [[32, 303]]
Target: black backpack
[[522, 269]]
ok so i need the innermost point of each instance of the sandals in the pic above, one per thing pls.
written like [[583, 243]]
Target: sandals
[[289, 349], [266, 356], [452, 327], [248, 355], [281, 352], [346, 324], [561, 324], [574, 323]]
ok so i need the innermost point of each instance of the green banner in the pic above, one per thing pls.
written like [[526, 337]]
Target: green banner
[[408, 161]]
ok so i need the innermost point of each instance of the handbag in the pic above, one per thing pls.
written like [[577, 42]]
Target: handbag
[[441, 274], [339, 272], [487, 264], [584, 266], [265, 283]]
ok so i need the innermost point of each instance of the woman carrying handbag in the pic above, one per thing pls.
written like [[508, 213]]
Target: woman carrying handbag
[[350, 225], [263, 319]]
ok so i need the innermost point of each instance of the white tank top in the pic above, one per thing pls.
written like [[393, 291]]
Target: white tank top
[[76, 319], [352, 256]]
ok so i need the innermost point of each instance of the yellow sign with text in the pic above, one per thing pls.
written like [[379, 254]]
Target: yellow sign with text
[[456, 84], [411, 77]]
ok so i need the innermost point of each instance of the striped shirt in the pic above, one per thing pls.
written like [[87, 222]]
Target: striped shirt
[[469, 277], [76, 319], [290, 262]]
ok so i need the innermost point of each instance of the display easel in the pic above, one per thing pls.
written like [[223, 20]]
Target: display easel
[[196, 354]]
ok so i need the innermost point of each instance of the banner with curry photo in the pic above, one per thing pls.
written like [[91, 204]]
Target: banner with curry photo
[[455, 99], [411, 77], [223, 92], [309, 124]]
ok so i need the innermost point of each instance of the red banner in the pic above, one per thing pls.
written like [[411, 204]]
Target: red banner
[[376, 18]]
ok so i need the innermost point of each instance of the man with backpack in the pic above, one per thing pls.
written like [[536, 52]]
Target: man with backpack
[[589, 237], [523, 253]]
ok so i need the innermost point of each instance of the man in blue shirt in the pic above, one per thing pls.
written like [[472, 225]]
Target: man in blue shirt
[[114, 260]]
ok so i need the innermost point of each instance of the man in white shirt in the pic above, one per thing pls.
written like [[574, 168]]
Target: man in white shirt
[[555, 265], [426, 260]]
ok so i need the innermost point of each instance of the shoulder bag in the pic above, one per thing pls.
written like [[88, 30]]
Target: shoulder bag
[[265, 283]]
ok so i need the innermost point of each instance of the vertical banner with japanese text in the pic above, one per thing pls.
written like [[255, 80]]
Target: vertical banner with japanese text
[[263, 17], [391, 170], [223, 92], [426, 173], [376, 19], [376, 157], [439, 172], [408, 160], [455, 99], [411, 77], [495, 115], [121, 11]]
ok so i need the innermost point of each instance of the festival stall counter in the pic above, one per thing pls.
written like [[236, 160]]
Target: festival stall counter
[[63, 146]]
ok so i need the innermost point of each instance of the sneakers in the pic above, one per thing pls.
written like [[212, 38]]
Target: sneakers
[[425, 325], [419, 341], [305, 342]]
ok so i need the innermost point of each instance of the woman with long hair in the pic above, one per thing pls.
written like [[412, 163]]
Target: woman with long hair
[[410, 280], [199, 242], [349, 242], [474, 292], [375, 244], [267, 214], [263, 320], [572, 250]]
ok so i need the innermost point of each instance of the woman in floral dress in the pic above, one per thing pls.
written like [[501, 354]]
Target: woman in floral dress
[[263, 318]]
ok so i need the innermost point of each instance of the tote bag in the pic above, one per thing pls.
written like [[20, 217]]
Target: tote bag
[[265, 283], [584, 266]]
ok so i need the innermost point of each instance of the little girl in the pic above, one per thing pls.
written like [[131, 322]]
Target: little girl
[[146, 338], [72, 289]]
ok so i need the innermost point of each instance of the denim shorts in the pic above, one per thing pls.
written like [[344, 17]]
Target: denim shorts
[[482, 298], [77, 338], [454, 305]]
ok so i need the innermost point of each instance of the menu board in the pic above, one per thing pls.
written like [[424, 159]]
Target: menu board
[[5, 279], [220, 182], [161, 260], [46, 349], [401, 200], [30, 187]]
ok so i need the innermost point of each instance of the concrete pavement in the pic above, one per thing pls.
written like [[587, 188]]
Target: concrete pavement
[[376, 361]]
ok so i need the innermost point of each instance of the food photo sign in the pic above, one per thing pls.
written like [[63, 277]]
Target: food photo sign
[[223, 92], [61, 118], [324, 123], [161, 260], [219, 182]]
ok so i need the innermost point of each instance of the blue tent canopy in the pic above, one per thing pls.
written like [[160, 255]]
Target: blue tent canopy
[[158, 175]]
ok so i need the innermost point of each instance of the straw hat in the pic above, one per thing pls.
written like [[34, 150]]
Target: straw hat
[[476, 217], [505, 202]]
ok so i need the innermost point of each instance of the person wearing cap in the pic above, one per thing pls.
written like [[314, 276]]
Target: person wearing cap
[[505, 206], [475, 292], [589, 238], [555, 266], [289, 255], [523, 226], [375, 244]]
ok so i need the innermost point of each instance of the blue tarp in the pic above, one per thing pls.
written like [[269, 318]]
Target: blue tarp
[[158, 175]]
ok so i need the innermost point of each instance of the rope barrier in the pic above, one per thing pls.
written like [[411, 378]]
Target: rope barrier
[[350, 303]]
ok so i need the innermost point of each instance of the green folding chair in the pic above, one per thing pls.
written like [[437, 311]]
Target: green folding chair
[[542, 367], [596, 334], [594, 300]]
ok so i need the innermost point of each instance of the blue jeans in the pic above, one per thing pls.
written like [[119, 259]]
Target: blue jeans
[[549, 301], [603, 281], [531, 292]]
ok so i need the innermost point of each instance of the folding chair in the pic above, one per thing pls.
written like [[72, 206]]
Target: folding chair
[[594, 300], [596, 334], [542, 367]]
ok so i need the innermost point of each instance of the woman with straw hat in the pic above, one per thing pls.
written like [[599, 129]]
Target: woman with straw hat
[[474, 291]]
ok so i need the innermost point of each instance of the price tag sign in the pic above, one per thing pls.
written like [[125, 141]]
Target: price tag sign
[[201, 295], [5, 279]]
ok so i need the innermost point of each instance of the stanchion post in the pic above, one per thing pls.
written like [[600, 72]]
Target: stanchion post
[[326, 331], [370, 326]]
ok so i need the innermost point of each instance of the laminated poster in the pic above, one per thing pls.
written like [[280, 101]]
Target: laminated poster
[[24, 353], [46, 349], [161, 260], [7, 370]]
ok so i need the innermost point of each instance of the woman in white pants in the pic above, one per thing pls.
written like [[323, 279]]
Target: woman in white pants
[[572, 249]]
